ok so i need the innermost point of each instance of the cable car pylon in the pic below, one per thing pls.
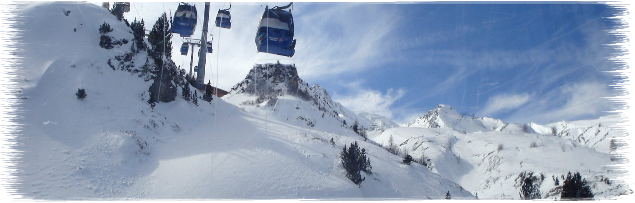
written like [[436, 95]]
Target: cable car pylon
[[200, 74]]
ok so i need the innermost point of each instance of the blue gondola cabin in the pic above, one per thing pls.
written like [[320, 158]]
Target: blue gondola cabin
[[184, 21], [224, 19], [184, 48], [275, 32]]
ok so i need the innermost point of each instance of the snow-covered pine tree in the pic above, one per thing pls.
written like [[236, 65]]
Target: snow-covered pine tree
[[81, 93], [529, 190], [365, 162], [138, 32], [574, 187], [613, 144], [186, 92], [105, 42], [209, 91], [407, 159], [354, 161], [104, 28], [350, 161], [195, 98], [160, 38]]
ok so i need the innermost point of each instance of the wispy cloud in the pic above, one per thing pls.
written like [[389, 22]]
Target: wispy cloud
[[504, 102], [342, 38], [368, 100], [575, 85], [570, 102]]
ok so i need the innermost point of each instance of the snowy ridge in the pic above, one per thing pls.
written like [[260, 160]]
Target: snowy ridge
[[113, 145], [600, 134], [487, 156], [445, 117], [276, 91], [377, 123]]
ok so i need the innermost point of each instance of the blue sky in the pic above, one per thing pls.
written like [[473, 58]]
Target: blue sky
[[520, 62]]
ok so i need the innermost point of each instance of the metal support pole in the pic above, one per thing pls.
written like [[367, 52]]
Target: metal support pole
[[200, 78], [191, 62]]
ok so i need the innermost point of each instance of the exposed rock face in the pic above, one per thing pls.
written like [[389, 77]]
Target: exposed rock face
[[269, 81]]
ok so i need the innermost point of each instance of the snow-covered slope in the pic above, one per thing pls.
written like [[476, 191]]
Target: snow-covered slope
[[114, 145], [486, 156], [445, 117], [275, 91], [378, 123], [600, 134]]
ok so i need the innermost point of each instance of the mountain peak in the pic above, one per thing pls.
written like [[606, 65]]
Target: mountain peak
[[434, 117], [444, 116], [270, 85], [271, 80]]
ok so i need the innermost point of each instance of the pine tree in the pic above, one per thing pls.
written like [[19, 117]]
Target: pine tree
[[104, 28], [207, 96], [138, 31], [354, 161], [574, 187], [365, 162], [407, 159], [81, 93], [186, 92], [529, 190], [117, 11], [195, 98], [447, 195], [160, 38], [105, 42], [613, 145], [349, 159]]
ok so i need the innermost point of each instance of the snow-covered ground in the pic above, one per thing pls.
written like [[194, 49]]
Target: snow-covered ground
[[114, 145], [489, 160]]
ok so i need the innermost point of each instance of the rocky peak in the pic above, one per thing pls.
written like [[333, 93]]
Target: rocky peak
[[270, 80]]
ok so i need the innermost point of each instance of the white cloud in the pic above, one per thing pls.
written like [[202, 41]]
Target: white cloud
[[371, 101], [504, 102], [342, 38], [583, 99]]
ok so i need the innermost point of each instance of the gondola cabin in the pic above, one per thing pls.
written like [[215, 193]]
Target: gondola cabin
[[275, 32], [126, 7], [224, 18], [184, 20], [209, 47], [184, 48]]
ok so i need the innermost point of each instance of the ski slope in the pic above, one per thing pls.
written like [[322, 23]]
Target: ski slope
[[113, 145]]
